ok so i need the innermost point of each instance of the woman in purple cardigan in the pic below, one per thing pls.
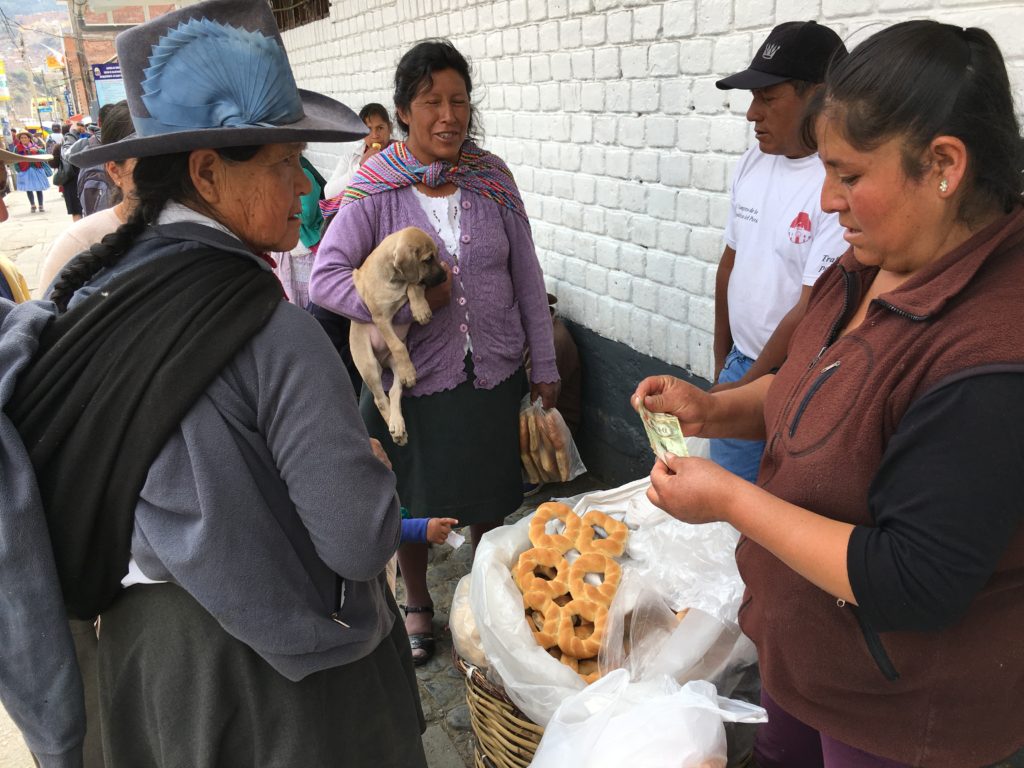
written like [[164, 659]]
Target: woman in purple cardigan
[[462, 458]]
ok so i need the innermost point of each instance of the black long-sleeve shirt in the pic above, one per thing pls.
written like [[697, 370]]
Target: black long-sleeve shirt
[[946, 500]]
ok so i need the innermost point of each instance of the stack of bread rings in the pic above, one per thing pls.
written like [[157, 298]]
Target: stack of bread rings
[[566, 613]]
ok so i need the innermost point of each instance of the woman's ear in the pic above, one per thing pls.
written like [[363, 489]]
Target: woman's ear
[[949, 160], [115, 171], [206, 169], [403, 115]]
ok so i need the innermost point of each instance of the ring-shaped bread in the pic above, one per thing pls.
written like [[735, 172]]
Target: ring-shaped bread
[[594, 562], [542, 617], [543, 570], [553, 510], [613, 545], [571, 662], [574, 614], [588, 669]]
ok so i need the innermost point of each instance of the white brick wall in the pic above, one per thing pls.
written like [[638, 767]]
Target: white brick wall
[[607, 112]]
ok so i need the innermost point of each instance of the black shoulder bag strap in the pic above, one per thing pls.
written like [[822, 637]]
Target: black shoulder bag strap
[[111, 380]]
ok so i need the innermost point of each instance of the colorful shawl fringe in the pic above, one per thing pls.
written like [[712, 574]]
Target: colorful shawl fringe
[[21, 149], [476, 170]]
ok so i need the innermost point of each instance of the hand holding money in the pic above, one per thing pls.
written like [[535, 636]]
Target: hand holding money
[[664, 433]]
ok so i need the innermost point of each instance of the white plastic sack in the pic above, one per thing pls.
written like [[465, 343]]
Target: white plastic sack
[[654, 724], [462, 624], [683, 566]]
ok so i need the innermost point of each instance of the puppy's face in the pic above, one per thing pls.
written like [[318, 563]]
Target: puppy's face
[[415, 259]]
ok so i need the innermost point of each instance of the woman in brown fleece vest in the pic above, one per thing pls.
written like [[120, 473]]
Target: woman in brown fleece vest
[[883, 545]]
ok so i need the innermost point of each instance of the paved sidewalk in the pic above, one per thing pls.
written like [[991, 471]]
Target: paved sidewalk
[[25, 236]]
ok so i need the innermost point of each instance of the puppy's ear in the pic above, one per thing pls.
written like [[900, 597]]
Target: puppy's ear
[[404, 263]]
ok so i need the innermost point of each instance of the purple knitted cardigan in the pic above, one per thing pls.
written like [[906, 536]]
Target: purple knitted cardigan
[[497, 281]]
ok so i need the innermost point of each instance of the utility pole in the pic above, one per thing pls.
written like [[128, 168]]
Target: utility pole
[[75, 8]]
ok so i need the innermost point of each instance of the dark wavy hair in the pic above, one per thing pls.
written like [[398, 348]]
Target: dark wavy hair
[[415, 70], [921, 79], [158, 181], [373, 109]]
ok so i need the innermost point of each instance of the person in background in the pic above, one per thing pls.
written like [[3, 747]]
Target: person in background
[[53, 141], [212, 492], [378, 122], [777, 238], [292, 267], [3, 192], [32, 177], [69, 176], [883, 554], [462, 458], [92, 229], [94, 186]]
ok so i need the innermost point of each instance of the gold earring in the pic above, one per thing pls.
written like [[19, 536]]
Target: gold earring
[[943, 186]]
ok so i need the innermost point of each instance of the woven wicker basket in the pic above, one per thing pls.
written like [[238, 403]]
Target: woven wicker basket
[[503, 736]]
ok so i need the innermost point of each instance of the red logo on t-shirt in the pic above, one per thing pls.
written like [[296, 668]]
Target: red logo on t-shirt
[[800, 229]]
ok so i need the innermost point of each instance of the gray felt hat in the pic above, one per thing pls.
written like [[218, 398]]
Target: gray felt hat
[[213, 75]]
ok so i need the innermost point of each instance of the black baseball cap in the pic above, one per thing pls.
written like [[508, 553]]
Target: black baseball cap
[[795, 50]]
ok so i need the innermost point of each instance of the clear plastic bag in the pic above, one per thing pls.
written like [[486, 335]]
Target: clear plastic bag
[[546, 447], [465, 636], [669, 566], [654, 724]]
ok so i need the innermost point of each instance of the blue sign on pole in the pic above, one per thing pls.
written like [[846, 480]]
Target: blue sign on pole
[[67, 101], [109, 85]]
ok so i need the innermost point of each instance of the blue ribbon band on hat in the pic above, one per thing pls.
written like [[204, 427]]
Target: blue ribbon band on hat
[[204, 74]]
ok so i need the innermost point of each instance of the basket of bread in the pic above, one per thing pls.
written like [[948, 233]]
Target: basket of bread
[[579, 589]]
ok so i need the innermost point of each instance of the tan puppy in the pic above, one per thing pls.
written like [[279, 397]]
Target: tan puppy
[[400, 269]]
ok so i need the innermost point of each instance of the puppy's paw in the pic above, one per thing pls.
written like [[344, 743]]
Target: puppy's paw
[[422, 317], [398, 433], [406, 375]]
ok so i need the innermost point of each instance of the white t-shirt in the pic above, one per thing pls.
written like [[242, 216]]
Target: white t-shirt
[[782, 238], [75, 239], [348, 163]]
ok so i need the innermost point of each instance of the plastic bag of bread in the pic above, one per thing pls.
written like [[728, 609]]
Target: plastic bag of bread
[[546, 447], [465, 636], [699, 573], [655, 724]]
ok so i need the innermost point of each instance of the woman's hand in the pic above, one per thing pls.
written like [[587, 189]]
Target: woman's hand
[[378, 451], [438, 529], [693, 490], [667, 394], [440, 295], [369, 151], [547, 392]]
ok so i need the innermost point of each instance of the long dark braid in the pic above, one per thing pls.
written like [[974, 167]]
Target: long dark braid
[[158, 180]]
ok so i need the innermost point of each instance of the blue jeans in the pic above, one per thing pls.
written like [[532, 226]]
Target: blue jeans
[[741, 457]]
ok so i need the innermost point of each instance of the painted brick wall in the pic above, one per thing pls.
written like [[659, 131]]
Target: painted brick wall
[[607, 112]]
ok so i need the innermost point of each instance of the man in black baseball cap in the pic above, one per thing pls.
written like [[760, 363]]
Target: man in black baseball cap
[[795, 50], [777, 239]]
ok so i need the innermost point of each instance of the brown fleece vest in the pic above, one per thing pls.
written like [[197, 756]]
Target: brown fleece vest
[[958, 699]]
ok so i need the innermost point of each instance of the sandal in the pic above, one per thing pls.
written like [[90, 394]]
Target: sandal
[[421, 641]]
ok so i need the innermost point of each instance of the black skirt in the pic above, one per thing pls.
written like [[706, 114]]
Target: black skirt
[[176, 691], [462, 458]]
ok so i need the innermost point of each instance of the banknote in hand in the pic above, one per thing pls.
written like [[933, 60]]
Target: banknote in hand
[[664, 433]]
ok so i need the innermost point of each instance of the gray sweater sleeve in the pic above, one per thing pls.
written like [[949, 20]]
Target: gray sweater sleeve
[[40, 684], [309, 416]]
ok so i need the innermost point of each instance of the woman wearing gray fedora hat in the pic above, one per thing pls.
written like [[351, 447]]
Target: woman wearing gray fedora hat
[[183, 455]]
